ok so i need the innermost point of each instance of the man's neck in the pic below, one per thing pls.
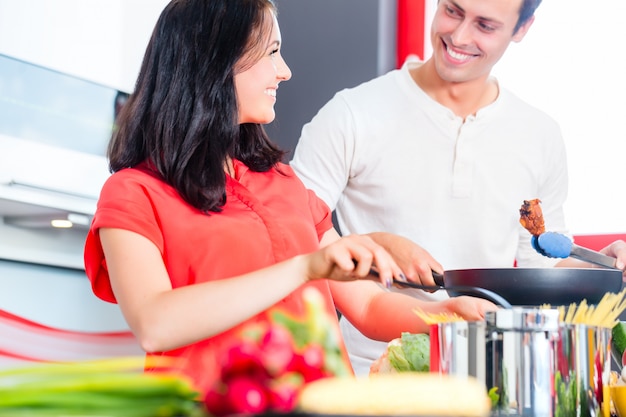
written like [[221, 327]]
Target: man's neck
[[463, 98]]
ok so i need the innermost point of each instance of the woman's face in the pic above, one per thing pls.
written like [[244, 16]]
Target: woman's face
[[256, 86]]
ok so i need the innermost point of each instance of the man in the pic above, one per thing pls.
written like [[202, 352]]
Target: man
[[439, 152]]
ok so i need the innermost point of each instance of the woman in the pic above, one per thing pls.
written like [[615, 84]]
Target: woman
[[201, 229]]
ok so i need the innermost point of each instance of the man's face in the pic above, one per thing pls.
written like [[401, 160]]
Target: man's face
[[470, 36]]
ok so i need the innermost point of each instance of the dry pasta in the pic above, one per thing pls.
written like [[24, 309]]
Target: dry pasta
[[604, 314], [435, 318]]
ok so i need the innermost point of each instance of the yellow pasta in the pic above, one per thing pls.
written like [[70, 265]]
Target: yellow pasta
[[435, 318], [604, 314]]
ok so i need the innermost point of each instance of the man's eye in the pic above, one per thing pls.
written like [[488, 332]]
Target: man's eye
[[452, 12], [486, 28]]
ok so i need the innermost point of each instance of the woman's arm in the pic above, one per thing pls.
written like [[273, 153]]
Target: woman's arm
[[164, 319], [383, 315]]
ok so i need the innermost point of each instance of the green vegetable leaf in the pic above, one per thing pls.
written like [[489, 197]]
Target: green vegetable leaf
[[416, 348], [396, 357], [494, 397], [618, 341], [566, 393], [411, 354]]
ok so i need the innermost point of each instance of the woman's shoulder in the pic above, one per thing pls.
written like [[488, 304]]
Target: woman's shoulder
[[130, 181], [139, 173]]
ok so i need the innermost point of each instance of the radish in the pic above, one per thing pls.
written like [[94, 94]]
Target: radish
[[216, 403], [246, 395], [283, 392], [242, 359], [310, 363], [277, 350]]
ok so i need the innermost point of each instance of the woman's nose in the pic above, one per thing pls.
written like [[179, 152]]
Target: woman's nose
[[282, 70]]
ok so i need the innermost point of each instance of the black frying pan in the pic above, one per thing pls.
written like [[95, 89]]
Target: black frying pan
[[535, 286], [463, 289]]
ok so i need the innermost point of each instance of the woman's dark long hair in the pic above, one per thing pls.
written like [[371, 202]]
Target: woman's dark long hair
[[182, 117]]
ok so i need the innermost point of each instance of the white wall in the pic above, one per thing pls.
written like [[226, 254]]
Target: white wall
[[570, 64], [98, 40]]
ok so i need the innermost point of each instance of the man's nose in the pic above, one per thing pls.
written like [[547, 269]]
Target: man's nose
[[462, 34]]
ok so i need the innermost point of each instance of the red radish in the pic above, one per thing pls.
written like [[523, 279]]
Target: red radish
[[242, 359], [283, 392], [310, 363], [246, 395], [277, 350], [216, 403]]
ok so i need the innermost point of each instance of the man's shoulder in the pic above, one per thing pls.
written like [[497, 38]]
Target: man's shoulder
[[515, 105], [380, 83]]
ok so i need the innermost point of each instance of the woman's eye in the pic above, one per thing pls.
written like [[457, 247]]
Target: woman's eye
[[274, 51]]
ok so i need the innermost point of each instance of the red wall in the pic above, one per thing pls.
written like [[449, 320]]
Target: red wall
[[597, 242], [410, 35]]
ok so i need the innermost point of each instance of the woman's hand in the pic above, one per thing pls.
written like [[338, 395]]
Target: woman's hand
[[469, 308], [351, 258]]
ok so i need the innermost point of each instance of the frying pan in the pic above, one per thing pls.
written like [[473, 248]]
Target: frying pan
[[469, 290], [535, 286]]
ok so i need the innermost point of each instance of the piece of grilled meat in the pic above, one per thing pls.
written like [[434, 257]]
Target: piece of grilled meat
[[531, 217]]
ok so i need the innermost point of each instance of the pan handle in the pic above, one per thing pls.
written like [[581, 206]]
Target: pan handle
[[482, 292], [438, 278]]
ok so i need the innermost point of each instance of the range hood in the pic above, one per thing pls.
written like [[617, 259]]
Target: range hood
[[40, 175], [39, 184], [53, 136]]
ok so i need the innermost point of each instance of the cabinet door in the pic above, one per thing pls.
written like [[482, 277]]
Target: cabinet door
[[329, 45]]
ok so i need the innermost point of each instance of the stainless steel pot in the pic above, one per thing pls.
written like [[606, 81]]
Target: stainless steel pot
[[520, 351], [532, 363]]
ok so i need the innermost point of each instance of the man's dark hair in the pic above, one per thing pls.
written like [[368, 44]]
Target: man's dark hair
[[526, 12]]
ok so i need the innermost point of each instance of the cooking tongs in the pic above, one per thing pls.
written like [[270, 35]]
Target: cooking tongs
[[556, 245]]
